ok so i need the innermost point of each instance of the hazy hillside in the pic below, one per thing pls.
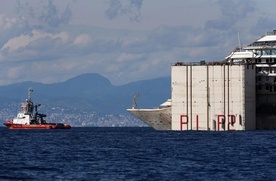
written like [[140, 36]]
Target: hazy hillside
[[86, 99]]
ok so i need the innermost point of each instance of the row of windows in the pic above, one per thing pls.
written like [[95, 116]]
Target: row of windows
[[265, 70], [267, 88], [265, 60], [265, 52], [265, 79]]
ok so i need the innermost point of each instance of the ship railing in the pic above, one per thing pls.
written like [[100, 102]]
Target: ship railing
[[272, 47], [261, 45], [201, 63]]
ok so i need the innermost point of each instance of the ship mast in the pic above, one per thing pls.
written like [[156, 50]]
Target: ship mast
[[30, 106], [239, 41]]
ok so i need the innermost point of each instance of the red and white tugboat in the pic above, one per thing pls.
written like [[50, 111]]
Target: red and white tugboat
[[29, 118]]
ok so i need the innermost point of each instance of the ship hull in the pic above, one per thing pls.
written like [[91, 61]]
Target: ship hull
[[159, 119], [11, 125]]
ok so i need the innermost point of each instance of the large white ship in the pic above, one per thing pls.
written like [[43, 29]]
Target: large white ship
[[224, 85]]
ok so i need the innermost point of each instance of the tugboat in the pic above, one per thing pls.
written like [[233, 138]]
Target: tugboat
[[29, 118]]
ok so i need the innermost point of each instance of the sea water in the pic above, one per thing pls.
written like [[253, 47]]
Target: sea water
[[136, 154]]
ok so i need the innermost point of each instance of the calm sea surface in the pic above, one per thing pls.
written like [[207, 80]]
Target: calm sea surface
[[136, 154]]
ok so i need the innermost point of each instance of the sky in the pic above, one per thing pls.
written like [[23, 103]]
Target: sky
[[51, 41]]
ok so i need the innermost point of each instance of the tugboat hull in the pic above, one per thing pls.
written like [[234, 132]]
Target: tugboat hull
[[11, 125]]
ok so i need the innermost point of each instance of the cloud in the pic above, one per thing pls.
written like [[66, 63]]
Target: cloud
[[130, 8], [35, 38], [82, 40], [248, 18], [233, 11], [125, 57], [35, 31], [167, 38], [12, 26], [44, 14], [267, 23], [52, 17], [33, 15], [32, 45]]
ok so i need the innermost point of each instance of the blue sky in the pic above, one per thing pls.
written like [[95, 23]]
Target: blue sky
[[51, 41]]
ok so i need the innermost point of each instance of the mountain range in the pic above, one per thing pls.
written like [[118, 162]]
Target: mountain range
[[87, 98]]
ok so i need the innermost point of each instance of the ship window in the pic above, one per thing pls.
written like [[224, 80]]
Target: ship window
[[267, 78], [267, 52], [261, 69], [267, 87], [258, 52]]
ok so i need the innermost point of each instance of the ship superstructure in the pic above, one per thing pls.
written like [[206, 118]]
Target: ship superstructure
[[261, 53]]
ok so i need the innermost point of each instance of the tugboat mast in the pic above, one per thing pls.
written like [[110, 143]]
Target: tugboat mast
[[30, 90]]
